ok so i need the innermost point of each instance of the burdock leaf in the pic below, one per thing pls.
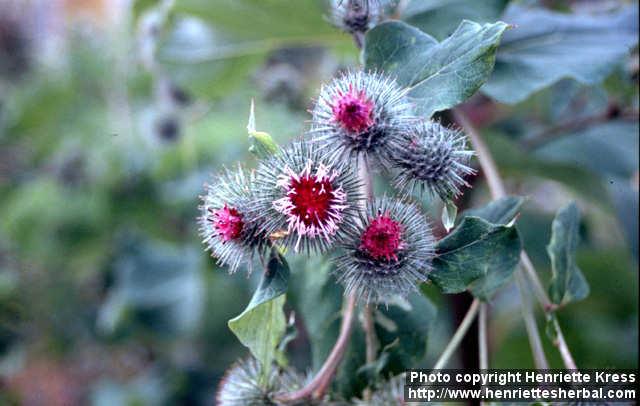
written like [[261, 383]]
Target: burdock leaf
[[477, 256], [501, 211], [567, 282], [262, 324], [441, 17], [547, 46], [439, 75]]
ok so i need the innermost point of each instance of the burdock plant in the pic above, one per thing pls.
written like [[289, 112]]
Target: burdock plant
[[316, 196]]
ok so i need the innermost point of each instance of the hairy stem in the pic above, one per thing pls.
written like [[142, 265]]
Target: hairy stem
[[496, 186], [458, 335], [318, 386]]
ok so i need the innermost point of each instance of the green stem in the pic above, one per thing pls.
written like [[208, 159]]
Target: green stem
[[539, 357], [458, 335], [483, 344], [497, 189]]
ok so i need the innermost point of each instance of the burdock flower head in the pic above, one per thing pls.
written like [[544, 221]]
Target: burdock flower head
[[241, 385], [388, 252], [389, 393], [361, 114], [227, 229], [435, 158], [305, 199], [356, 16]]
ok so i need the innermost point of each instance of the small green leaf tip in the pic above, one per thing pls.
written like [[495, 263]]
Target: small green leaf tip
[[262, 145], [449, 213]]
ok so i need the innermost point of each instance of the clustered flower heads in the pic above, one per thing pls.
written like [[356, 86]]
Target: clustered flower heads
[[356, 16], [305, 199], [241, 384], [362, 114], [226, 226], [307, 196], [388, 252]]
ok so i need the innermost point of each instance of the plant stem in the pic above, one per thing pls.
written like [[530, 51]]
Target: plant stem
[[497, 189], [318, 386], [483, 345], [488, 165], [559, 342], [370, 334], [539, 358], [458, 335], [368, 325], [541, 293], [371, 341]]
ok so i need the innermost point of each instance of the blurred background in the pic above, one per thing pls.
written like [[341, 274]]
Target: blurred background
[[113, 113]]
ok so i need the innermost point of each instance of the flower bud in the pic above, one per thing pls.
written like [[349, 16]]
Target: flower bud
[[241, 385], [356, 16], [435, 159]]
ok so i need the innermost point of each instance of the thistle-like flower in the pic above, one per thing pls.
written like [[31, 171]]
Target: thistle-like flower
[[361, 114], [435, 158], [241, 385], [226, 226], [388, 252], [356, 16], [305, 199]]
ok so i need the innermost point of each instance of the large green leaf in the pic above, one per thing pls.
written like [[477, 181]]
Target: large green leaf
[[567, 282], [609, 149], [262, 324], [261, 19], [512, 161], [212, 46], [546, 46], [440, 75], [477, 256], [441, 17], [501, 211]]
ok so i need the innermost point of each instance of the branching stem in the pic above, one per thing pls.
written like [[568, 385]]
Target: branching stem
[[496, 186]]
